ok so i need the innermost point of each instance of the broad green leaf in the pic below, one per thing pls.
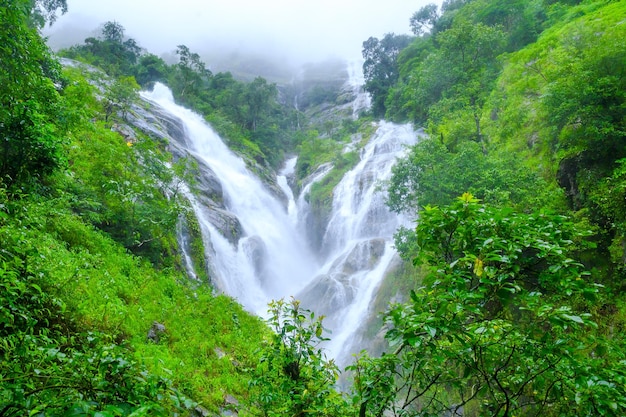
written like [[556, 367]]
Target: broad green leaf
[[576, 319]]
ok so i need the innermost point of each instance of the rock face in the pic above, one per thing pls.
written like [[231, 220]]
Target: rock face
[[156, 331], [567, 179], [312, 219], [337, 288], [256, 251], [226, 223], [169, 130], [209, 185]]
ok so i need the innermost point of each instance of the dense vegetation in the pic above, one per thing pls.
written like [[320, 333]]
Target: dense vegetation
[[88, 259], [518, 306], [519, 309], [248, 114]]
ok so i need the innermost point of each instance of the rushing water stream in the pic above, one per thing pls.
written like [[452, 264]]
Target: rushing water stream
[[272, 258]]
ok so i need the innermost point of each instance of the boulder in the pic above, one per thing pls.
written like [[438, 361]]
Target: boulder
[[156, 330], [256, 251], [226, 223]]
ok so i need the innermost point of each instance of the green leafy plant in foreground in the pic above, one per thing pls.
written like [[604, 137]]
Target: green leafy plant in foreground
[[501, 326], [294, 378], [30, 106]]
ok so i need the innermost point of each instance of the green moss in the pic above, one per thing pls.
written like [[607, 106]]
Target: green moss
[[198, 251], [321, 194]]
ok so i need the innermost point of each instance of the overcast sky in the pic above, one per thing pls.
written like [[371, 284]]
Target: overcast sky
[[309, 30]]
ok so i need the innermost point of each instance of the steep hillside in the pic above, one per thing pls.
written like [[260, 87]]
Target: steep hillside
[[510, 300]]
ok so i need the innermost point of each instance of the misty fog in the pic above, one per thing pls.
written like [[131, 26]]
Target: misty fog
[[239, 33]]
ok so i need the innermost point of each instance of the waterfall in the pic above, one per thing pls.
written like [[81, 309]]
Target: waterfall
[[357, 243], [283, 182], [362, 100], [269, 260], [256, 246]]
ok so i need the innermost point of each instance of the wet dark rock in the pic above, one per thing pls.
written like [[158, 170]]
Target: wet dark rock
[[156, 331], [329, 293], [200, 411], [256, 251], [362, 257], [209, 186], [226, 223], [567, 179], [230, 406], [229, 400], [332, 292]]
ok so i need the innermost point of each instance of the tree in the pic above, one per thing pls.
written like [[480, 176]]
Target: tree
[[260, 97], [30, 107], [46, 11], [113, 32], [380, 68], [469, 54], [190, 74], [522, 21], [424, 19], [111, 50], [120, 95], [150, 68], [499, 325], [431, 175]]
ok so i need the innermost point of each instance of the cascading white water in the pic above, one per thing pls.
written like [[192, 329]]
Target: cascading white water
[[362, 100], [357, 243], [281, 179], [270, 260]]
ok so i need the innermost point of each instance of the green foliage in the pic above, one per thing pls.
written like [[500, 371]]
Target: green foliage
[[380, 67], [536, 84], [454, 69], [431, 175], [585, 99], [50, 364], [318, 95], [563, 98], [30, 107], [458, 75], [110, 188], [499, 326], [150, 68], [120, 96], [320, 196], [111, 51], [76, 312], [45, 11], [522, 21], [189, 75], [313, 151], [294, 377], [424, 19]]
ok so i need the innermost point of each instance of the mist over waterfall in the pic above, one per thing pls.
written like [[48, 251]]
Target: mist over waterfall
[[258, 244]]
